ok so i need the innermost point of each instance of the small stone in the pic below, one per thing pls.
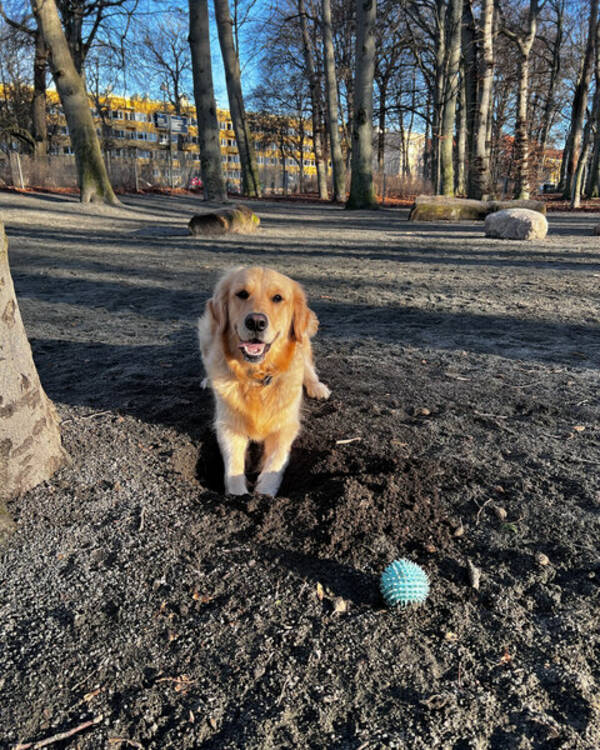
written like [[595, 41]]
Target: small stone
[[499, 512], [542, 559]]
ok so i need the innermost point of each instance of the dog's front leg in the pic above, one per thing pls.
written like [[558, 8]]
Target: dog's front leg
[[233, 449], [276, 455]]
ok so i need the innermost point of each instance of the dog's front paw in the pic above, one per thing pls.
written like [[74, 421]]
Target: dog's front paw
[[236, 485], [268, 483], [317, 390]]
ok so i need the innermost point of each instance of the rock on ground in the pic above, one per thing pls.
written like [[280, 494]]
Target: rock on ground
[[516, 224]]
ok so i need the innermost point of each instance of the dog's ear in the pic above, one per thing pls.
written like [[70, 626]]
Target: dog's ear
[[304, 321], [217, 307]]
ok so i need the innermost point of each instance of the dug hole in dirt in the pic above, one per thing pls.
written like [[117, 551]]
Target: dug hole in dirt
[[140, 607]]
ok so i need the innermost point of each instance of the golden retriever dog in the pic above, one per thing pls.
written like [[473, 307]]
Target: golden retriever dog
[[255, 345]]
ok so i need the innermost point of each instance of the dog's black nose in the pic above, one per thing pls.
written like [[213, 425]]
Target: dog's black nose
[[256, 322]]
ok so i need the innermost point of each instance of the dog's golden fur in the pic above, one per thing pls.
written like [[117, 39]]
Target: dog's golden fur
[[255, 345]]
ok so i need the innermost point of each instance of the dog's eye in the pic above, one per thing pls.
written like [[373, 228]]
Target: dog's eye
[[277, 298], [242, 294]]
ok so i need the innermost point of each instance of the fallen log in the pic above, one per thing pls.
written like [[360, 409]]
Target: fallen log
[[444, 208], [237, 219]]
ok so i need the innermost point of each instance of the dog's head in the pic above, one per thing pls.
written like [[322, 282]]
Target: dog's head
[[259, 311]]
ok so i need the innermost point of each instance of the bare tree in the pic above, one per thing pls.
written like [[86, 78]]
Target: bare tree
[[94, 184], [337, 158], [315, 95], [231, 61], [479, 182], [206, 109], [362, 190], [30, 445], [578, 108], [453, 45], [523, 35]]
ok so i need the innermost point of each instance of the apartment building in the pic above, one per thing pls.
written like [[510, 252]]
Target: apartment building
[[152, 132]]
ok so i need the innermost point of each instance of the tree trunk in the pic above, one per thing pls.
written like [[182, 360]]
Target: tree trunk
[[30, 445], [438, 94], [250, 181], [453, 29], [479, 163], [315, 97], [94, 184], [362, 190], [593, 182], [579, 171], [337, 158], [39, 123], [211, 167], [580, 102], [554, 73], [470, 84], [521, 135], [461, 139]]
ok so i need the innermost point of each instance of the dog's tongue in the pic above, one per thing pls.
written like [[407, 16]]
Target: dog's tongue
[[253, 349]]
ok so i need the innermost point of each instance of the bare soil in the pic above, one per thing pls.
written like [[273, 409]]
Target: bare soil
[[134, 593]]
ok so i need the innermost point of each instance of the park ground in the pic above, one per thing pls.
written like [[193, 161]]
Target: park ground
[[463, 433]]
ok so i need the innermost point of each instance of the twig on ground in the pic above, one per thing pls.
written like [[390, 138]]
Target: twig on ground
[[347, 440], [126, 740], [481, 507], [285, 684], [60, 736], [142, 519], [86, 416]]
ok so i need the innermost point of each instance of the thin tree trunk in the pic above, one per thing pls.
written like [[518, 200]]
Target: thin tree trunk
[[470, 84], [362, 190], [453, 29], [581, 164], [250, 180], [39, 123], [30, 445], [438, 95], [381, 125], [94, 184], [337, 158], [211, 167], [580, 101], [479, 164], [593, 182], [554, 73], [461, 140], [315, 97]]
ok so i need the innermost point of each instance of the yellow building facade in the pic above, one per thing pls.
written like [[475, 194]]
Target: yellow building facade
[[151, 131]]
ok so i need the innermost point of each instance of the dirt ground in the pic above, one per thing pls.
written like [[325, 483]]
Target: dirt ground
[[465, 373]]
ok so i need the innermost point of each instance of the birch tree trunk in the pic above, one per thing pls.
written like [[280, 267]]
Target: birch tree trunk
[[39, 123], [30, 445], [580, 102], [453, 30], [211, 167], [315, 97], [479, 164], [231, 61], [362, 190], [337, 158], [94, 184]]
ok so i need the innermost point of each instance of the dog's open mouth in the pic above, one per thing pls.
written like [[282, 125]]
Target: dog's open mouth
[[254, 351]]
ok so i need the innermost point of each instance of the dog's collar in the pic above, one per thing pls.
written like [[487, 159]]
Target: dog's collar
[[266, 380]]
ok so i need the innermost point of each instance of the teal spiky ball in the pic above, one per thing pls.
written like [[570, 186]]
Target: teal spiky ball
[[404, 582]]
